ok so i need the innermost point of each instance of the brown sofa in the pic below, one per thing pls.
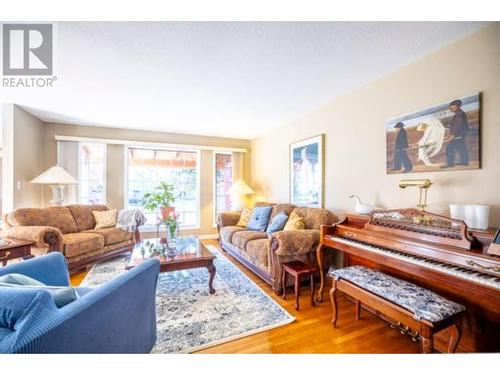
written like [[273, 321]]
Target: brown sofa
[[70, 230], [264, 255]]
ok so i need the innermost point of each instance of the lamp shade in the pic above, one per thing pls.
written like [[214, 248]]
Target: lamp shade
[[55, 176], [240, 188]]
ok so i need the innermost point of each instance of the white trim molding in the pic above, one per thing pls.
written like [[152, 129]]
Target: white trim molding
[[127, 142], [208, 236]]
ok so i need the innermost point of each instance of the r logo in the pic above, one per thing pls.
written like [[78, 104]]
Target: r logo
[[27, 49]]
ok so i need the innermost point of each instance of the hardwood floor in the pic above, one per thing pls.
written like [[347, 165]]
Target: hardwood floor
[[312, 331]]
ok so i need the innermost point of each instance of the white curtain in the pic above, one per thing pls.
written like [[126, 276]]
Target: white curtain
[[238, 166]]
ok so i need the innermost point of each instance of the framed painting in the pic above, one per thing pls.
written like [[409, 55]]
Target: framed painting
[[307, 172], [443, 137]]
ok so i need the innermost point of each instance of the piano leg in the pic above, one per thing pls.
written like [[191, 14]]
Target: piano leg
[[426, 339], [319, 259], [333, 299], [454, 337]]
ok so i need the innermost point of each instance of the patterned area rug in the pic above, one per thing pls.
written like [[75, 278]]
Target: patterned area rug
[[189, 318]]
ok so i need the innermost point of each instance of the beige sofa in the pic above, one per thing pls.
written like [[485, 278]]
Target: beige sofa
[[70, 230], [264, 255]]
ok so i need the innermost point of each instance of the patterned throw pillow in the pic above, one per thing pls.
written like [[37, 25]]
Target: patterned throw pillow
[[260, 218], [295, 222], [105, 219], [245, 216], [277, 223]]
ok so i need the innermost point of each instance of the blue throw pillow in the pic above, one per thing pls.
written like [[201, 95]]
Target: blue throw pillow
[[277, 223], [62, 294], [260, 218]]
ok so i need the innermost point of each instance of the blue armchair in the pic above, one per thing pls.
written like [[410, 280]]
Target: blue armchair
[[117, 317]]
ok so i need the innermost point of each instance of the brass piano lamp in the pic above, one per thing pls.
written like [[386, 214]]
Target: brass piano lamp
[[423, 185]]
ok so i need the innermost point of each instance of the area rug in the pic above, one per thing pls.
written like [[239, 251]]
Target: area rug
[[189, 318]]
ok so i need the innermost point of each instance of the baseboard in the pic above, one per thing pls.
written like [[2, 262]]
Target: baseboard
[[208, 237]]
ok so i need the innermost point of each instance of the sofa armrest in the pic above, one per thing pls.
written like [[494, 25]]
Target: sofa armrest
[[229, 218], [50, 269], [295, 242], [43, 236]]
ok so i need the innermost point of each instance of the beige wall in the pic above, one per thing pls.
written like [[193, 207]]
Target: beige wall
[[355, 133], [22, 161], [7, 157], [115, 161]]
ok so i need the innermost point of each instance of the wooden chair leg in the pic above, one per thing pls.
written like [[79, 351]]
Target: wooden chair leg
[[333, 299], [454, 338], [297, 291], [312, 290], [283, 282], [358, 310], [426, 339]]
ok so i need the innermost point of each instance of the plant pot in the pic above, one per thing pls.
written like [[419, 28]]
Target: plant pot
[[166, 212]]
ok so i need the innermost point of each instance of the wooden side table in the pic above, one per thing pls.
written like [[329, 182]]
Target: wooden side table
[[298, 269], [15, 249]]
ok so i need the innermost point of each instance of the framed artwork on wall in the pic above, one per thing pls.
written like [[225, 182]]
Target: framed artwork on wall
[[307, 173], [443, 137]]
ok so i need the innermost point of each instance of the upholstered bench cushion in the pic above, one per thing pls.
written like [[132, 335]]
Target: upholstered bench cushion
[[423, 303]]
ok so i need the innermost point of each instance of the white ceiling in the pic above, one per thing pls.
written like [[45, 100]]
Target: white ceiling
[[218, 78]]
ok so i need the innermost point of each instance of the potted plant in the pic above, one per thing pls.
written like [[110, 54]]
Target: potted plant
[[161, 198]]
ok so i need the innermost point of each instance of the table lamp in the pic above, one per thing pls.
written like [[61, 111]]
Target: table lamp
[[423, 185], [238, 191], [57, 178]]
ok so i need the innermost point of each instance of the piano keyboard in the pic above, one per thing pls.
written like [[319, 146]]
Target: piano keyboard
[[460, 272]]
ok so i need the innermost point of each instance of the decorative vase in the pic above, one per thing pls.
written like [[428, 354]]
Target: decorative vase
[[172, 241], [476, 216], [457, 211]]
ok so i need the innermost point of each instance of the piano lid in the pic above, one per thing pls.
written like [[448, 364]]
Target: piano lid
[[410, 222]]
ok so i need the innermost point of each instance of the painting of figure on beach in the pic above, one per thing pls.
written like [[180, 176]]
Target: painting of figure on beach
[[444, 137], [306, 172]]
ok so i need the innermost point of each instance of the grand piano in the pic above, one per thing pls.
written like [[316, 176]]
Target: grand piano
[[434, 251]]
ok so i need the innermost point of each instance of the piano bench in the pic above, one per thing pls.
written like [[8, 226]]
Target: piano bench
[[415, 308]]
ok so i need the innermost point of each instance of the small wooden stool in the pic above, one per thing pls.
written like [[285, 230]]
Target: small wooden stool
[[298, 269]]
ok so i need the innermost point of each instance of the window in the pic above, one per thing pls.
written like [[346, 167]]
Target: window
[[223, 181], [148, 167], [92, 173]]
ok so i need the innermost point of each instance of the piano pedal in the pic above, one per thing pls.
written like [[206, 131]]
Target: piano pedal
[[396, 326], [415, 337], [405, 330]]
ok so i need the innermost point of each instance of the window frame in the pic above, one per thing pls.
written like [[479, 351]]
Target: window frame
[[214, 183], [104, 172], [152, 227]]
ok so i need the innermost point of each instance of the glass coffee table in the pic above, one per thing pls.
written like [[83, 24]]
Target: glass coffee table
[[190, 253]]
